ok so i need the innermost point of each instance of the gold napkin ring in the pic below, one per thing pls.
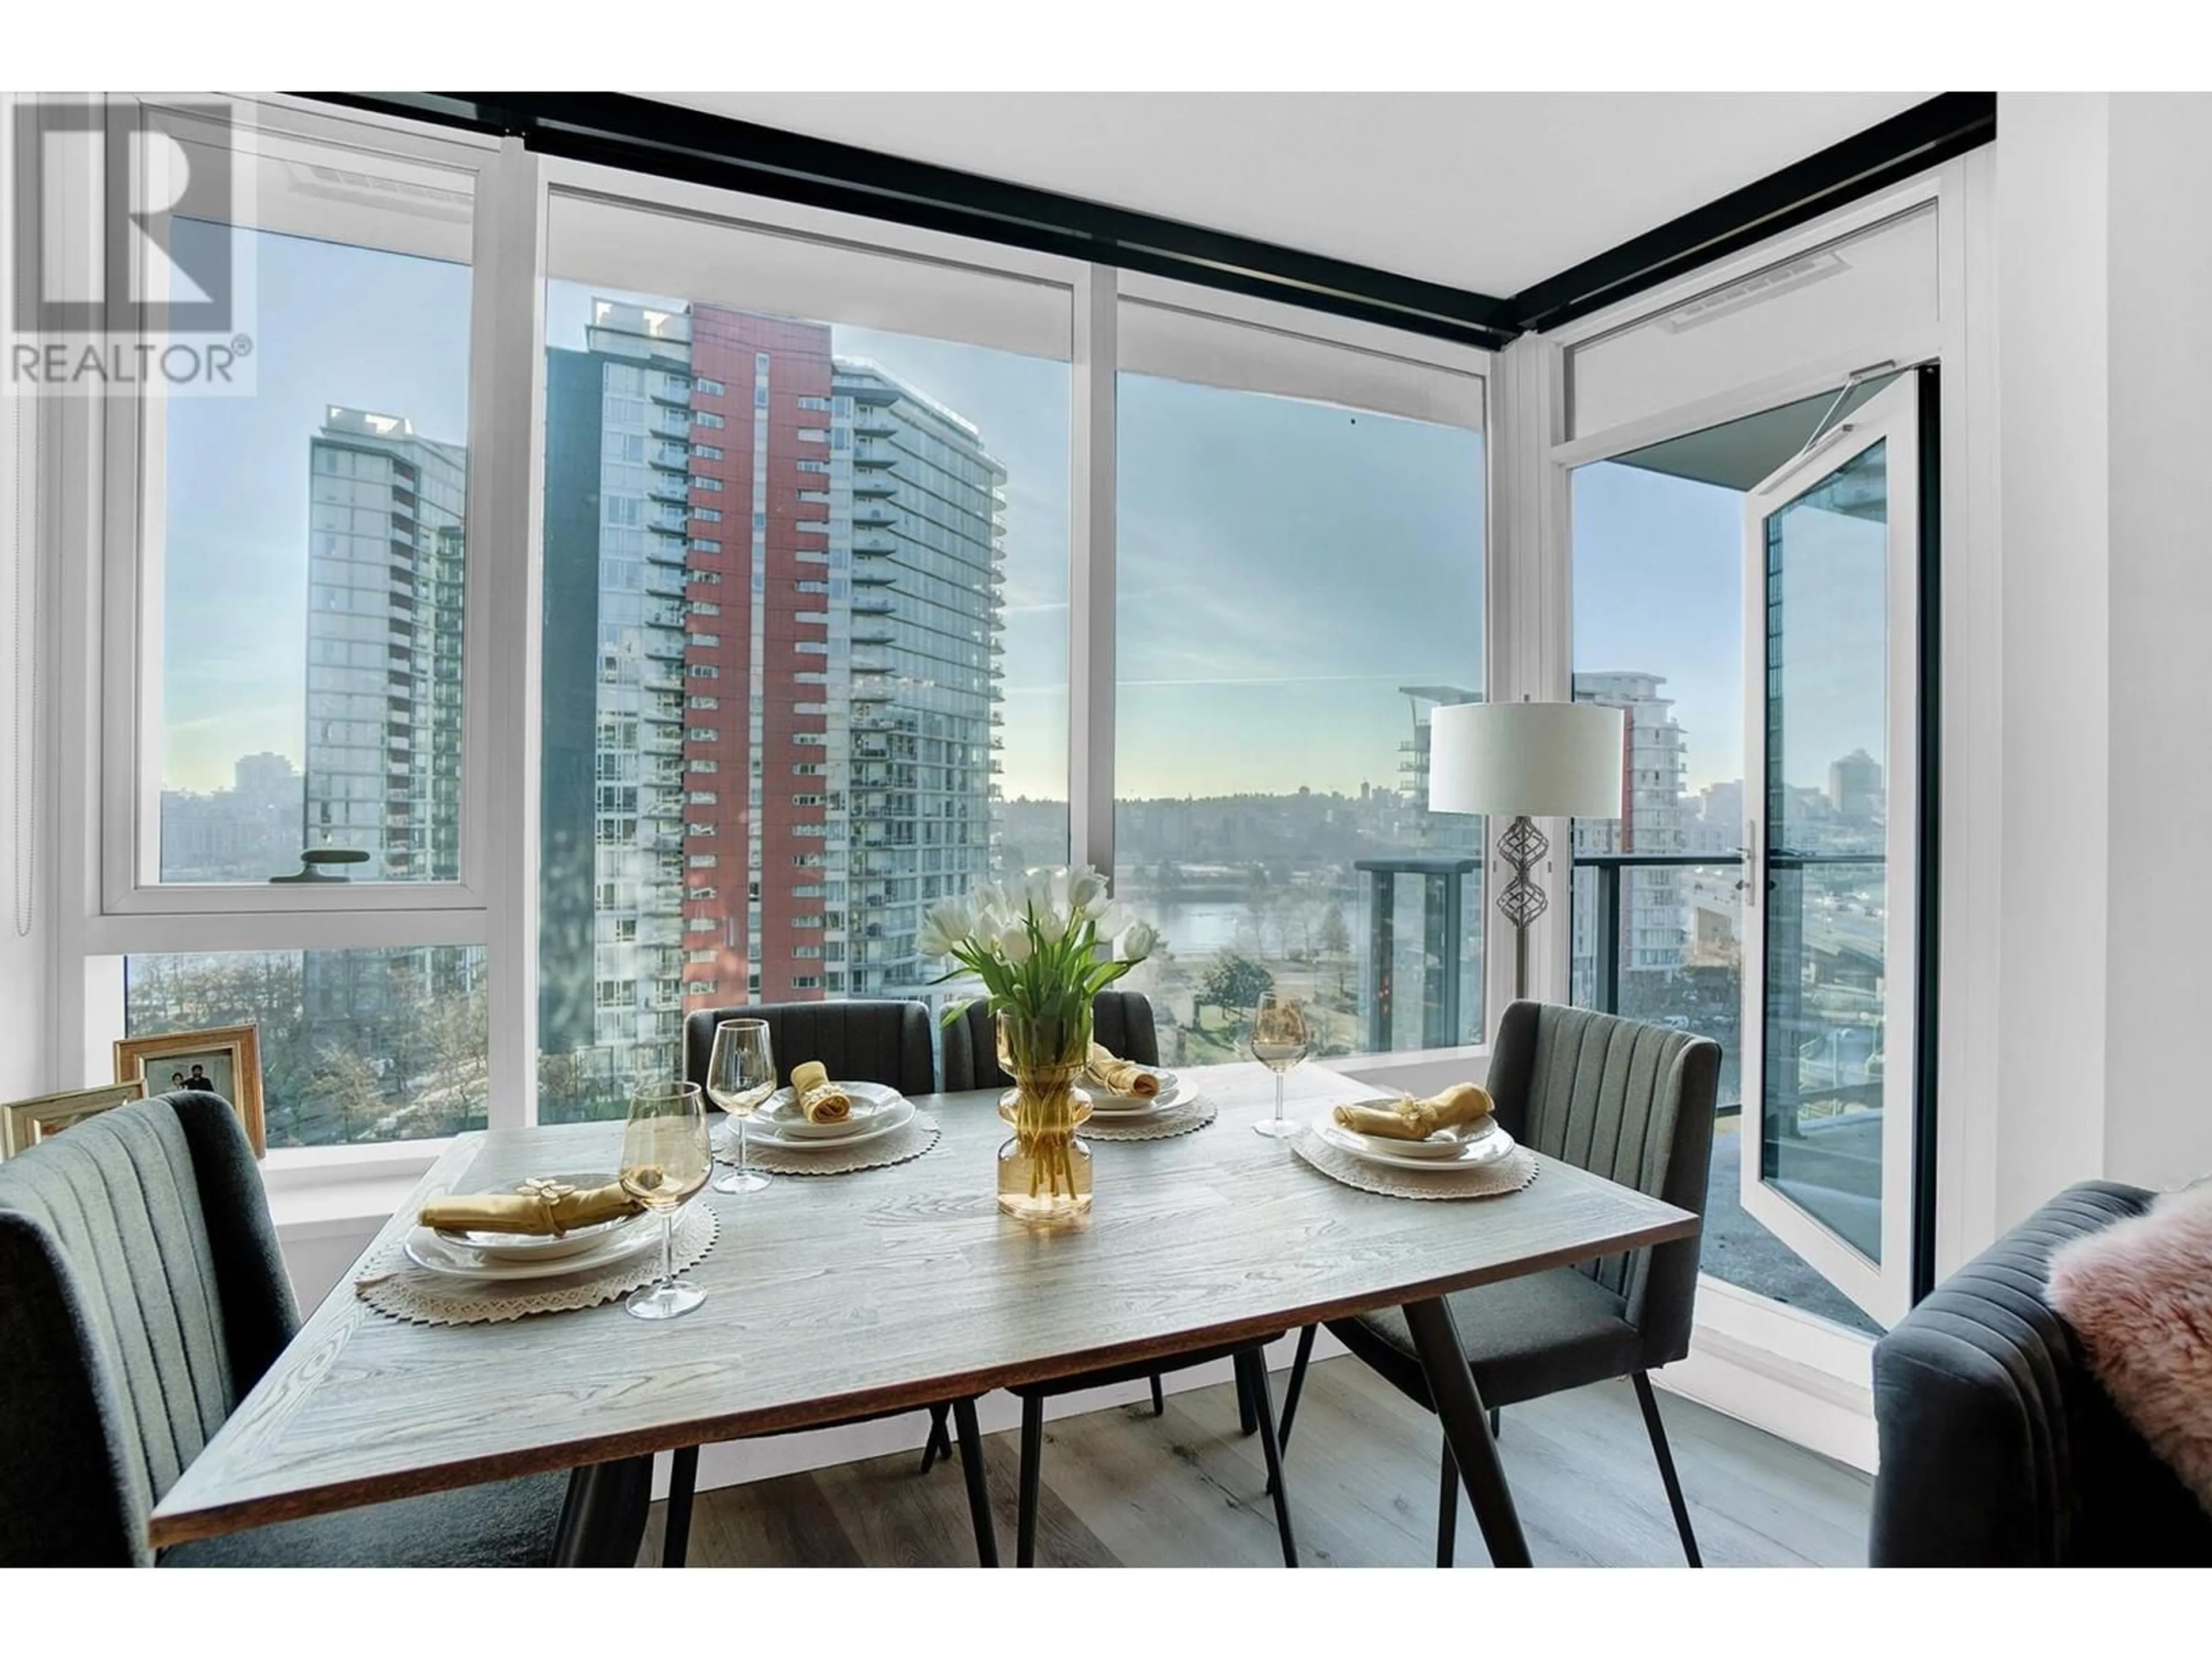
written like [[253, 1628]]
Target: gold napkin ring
[[548, 1192]]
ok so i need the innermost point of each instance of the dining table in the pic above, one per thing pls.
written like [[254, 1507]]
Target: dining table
[[832, 1297]]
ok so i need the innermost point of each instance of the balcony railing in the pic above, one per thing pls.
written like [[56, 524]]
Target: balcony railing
[[1701, 990]]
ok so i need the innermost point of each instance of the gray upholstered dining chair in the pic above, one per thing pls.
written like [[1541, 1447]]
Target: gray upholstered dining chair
[[864, 1041], [1121, 1021], [1625, 1100], [142, 1297]]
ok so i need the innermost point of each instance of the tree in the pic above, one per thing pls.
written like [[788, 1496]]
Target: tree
[[346, 1092], [1335, 935], [1336, 945], [1233, 981]]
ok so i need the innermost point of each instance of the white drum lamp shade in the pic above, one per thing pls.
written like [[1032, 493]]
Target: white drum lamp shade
[[1539, 760]]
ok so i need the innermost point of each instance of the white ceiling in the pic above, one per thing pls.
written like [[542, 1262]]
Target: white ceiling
[[1491, 191]]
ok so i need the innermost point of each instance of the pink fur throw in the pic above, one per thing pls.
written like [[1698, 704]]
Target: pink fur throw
[[2140, 1296]]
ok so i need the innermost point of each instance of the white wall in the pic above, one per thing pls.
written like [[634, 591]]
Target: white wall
[[25, 594], [2105, 267], [2158, 1121]]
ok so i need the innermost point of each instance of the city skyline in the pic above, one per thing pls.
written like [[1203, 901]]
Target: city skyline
[[1211, 659]]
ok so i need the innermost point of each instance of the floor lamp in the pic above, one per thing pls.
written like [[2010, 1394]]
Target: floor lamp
[[1526, 761]]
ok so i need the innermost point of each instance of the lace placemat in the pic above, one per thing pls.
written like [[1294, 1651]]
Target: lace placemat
[[1179, 1119], [394, 1285], [1510, 1174], [909, 1141]]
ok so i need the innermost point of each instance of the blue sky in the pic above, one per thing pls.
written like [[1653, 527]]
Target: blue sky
[[1284, 566], [1658, 587]]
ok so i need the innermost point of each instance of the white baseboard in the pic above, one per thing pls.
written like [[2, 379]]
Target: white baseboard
[[1787, 1372], [736, 1462]]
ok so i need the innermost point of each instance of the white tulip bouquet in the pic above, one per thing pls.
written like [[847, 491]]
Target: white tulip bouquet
[[1034, 944]]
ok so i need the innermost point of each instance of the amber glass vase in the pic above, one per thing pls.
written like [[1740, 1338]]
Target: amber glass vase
[[1044, 1171]]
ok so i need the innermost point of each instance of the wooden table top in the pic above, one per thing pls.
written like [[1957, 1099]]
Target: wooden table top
[[829, 1296]]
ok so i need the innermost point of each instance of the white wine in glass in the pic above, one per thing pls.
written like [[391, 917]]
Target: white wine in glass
[[666, 1162], [1281, 1039], [740, 1077]]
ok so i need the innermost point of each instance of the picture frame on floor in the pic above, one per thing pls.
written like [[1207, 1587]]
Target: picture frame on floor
[[225, 1060], [24, 1123]]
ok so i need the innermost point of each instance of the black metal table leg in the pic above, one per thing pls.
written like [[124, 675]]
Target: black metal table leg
[[1025, 1515], [1458, 1408], [1447, 1511], [979, 1492], [1297, 1388], [683, 1480], [936, 1445], [1252, 1366]]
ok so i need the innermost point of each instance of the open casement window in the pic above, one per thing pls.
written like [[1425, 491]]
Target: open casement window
[[1300, 510], [1833, 963], [293, 662]]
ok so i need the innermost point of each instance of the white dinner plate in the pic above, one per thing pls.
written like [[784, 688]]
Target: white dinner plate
[[427, 1251], [1436, 1148], [529, 1247], [1173, 1093], [782, 1118], [810, 1137], [1104, 1101], [1485, 1148]]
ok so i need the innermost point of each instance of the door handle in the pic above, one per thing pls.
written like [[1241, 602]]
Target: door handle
[[1749, 883]]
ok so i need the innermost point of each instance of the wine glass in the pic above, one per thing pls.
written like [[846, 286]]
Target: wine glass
[[1280, 1039], [666, 1161], [740, 1077]]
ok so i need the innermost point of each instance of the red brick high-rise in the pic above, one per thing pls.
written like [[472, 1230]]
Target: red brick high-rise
[[755, 661]]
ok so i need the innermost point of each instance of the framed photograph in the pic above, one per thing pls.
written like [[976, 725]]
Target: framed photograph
[[226, 1062], [24, 1123]]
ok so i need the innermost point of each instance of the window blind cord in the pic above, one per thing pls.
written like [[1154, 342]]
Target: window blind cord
[[24, 760]]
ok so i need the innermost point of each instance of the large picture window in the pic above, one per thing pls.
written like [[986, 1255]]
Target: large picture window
[[868, 662], [796, 516], [1299, 585]]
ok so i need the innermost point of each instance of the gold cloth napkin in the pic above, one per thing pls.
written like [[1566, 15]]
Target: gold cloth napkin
[[539, 1207], [1123, 1077], [821, 1100], [1461, 1106]]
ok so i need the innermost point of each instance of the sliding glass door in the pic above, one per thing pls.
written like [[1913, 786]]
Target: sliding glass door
[[1833, 712]]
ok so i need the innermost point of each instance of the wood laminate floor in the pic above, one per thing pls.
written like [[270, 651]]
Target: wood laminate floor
[[1122, 1488]]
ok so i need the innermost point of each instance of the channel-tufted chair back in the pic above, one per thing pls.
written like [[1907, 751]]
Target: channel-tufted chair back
[[866, 1040], [1120, 1020], [1999, 1446], [1634, 1103], [140, 1297]]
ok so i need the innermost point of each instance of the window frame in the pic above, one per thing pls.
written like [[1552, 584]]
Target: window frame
[[1414, 376], [128, 475], [495, 903]]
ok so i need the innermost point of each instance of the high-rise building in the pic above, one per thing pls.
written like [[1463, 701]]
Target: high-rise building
[[616, 533], [386, 584], [920, 504], [1854, 787], [772, 586], [784, 569], [385, 587], [1652, 779]]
